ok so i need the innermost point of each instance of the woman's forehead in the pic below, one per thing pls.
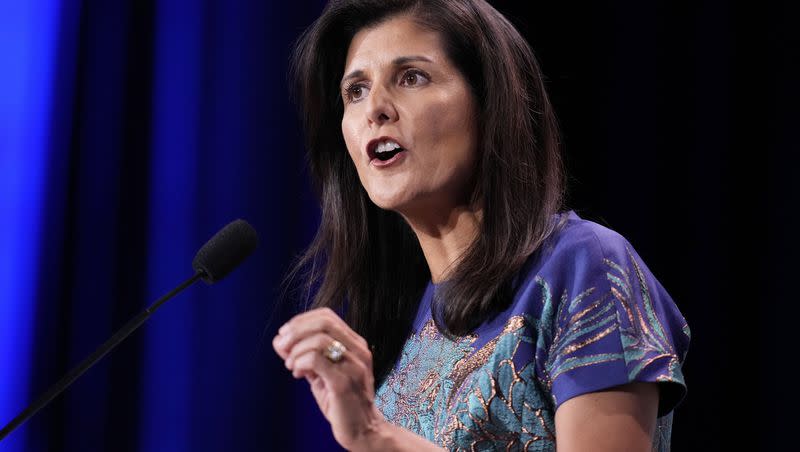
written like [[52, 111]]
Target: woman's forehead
[[392, 40]]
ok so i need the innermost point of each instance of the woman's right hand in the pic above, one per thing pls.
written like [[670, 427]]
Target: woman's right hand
[[344, 390]]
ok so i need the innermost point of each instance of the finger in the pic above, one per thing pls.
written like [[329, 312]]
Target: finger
[[290, 342], [311, 363], [345, 375], [320, 320], [303, 316], [301, 325], [280, 348], [316, 342]]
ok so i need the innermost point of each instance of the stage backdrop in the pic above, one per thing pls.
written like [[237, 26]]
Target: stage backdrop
[[131, 131]]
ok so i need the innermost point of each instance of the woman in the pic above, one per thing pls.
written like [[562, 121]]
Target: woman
[[477, 313]]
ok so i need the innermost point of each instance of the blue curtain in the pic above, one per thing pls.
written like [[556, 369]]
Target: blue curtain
[[131, 132]]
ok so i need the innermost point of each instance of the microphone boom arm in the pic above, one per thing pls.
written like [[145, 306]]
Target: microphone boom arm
[[90, 360]]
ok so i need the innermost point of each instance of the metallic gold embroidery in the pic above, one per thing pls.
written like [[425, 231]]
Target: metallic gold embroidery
[[621, 298], [648, 305], [572, 348], [464, 367], [429, 330]]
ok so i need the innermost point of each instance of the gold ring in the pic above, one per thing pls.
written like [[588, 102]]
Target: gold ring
[[335, 351]]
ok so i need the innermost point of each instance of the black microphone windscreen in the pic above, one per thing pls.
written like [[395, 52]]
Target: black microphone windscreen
[[226, 250]]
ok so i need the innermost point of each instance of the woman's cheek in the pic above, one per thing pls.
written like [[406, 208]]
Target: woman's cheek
[[350, 135]]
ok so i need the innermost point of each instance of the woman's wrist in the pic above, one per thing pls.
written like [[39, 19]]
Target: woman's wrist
[[387, 437], [379, 436]]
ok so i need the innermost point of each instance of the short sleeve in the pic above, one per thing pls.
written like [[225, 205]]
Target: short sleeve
[[612, 323]]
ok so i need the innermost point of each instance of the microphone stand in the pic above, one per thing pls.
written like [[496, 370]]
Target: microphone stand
[[101, 351]]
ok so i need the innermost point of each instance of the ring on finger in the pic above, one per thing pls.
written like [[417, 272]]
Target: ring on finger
[[335, 351]]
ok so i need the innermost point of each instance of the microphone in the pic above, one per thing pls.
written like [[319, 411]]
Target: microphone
[[218, 257], [227, 249]]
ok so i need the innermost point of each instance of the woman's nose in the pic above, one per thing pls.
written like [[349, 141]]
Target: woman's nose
[[381, 108]]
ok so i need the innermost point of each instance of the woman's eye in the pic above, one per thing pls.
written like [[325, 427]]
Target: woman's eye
[[414, 78], [355, 92]]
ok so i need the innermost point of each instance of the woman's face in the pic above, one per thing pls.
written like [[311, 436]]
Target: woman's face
[[399, 88]]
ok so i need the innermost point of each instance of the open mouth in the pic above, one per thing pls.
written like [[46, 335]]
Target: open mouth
[[384, 149], [387, 155]]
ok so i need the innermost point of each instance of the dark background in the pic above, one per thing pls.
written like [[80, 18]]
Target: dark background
[[162, 121]]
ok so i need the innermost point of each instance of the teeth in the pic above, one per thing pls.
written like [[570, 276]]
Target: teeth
[[386, 146]]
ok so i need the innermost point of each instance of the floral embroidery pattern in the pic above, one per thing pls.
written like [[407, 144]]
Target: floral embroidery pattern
[[503, 410]]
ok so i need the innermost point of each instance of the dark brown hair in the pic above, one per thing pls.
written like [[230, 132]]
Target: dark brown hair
[[366, 262]]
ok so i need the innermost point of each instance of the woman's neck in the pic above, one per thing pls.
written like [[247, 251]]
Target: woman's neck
[[444, 236]]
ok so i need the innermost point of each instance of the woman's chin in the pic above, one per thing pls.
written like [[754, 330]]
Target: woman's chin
[[390, 201], [387, 204]]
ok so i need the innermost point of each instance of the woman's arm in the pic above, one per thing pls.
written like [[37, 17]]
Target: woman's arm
[[391, 438], [619, 419]]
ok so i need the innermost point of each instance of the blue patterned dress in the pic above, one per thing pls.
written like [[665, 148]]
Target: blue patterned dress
[[587, 314]]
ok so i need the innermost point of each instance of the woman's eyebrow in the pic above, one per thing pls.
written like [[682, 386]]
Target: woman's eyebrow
[[399, 61]]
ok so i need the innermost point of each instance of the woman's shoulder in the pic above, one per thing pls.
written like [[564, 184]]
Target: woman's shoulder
[[578, 236], [576, 248], [580, 260], [585, 259], [601, 317]]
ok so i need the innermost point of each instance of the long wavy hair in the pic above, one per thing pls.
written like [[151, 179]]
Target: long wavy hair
[[366, 262]]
